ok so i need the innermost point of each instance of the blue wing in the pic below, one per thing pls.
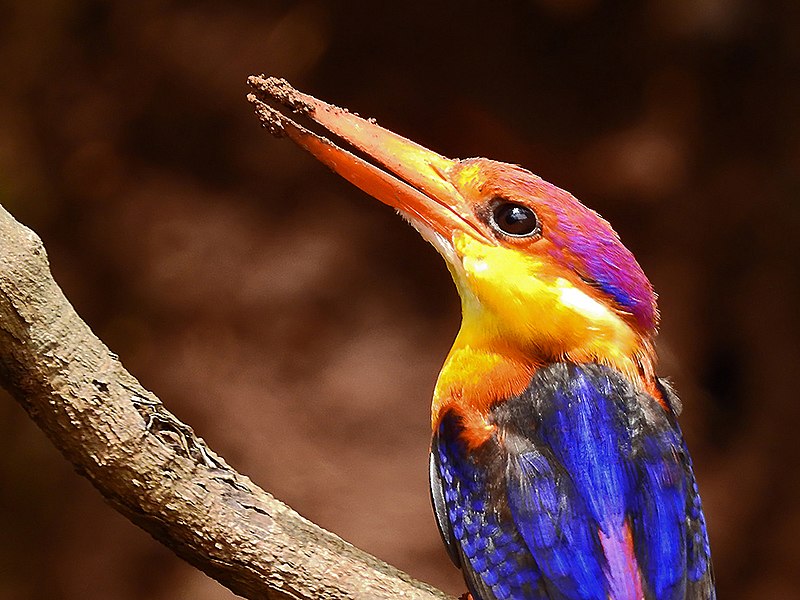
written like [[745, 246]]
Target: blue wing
[[585, 492], [480, 536]]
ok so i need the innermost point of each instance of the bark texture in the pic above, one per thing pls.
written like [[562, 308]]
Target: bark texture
[[153, 468]]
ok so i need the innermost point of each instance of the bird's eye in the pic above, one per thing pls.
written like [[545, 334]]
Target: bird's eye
[[515, 219]]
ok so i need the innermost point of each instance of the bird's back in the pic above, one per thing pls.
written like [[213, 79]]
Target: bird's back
[[584, 491]]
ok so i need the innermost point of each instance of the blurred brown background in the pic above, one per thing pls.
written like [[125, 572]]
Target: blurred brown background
[[299, 326]]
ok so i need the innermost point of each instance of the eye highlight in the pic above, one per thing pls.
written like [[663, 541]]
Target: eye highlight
[[515, 219]]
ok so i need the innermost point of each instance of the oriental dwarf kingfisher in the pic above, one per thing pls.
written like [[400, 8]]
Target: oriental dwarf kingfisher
[[557, 466]]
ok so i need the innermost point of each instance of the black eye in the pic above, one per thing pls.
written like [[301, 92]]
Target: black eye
[[515, 219]]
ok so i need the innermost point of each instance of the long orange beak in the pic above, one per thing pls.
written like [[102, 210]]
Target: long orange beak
[[416, 181]]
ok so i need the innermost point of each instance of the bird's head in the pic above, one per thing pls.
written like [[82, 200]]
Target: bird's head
[[541, 277]]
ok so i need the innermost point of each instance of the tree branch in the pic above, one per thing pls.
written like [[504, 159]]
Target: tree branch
[[150, 466]]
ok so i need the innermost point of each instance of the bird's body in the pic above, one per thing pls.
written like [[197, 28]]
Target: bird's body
[[558, 470], [584, 490]]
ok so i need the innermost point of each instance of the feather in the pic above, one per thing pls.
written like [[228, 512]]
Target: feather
[[583, 492]]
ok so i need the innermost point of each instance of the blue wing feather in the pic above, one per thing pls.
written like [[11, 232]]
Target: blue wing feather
[[554, 522], [577, 457], [487, 546]]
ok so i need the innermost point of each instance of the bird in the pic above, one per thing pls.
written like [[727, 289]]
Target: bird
[[557, 467]]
